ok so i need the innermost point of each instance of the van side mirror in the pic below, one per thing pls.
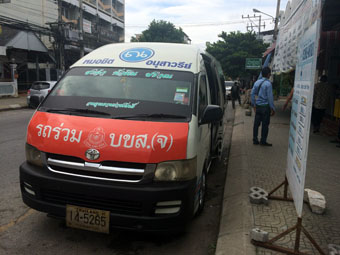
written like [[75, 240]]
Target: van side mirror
[[212, 113]]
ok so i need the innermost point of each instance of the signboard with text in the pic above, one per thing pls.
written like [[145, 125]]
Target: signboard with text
[[301, 114], [253, 63], [87, 25]]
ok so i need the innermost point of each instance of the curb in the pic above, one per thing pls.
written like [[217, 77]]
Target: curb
[[236, 217], [13, 107]]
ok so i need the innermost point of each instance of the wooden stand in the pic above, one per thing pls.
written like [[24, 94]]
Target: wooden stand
[[285, 192], [298, 227]]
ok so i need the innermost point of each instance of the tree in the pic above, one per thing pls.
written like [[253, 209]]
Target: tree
[[161, 31], [233, 50]]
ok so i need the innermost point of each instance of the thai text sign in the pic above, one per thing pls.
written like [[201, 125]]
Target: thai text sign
[[87, 26], [298, 17], [253, 63], [301, 114]]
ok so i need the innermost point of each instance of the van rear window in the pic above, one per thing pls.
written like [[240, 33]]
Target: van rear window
[[40, 85]]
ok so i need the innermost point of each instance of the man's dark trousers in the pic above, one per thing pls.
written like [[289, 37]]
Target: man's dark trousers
[[262, 115]]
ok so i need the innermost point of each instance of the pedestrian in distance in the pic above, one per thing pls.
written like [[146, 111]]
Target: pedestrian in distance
[[321, 99], [263, 102], [235, 94]]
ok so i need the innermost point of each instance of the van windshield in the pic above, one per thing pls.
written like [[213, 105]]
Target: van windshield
[[121, 93]]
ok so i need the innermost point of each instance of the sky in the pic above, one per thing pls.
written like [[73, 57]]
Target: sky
[[201, 20]]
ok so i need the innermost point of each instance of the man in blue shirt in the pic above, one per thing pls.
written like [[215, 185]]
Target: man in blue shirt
[[263, 106]]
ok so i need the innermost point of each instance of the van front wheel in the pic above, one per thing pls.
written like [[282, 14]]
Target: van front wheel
[[201, 193]]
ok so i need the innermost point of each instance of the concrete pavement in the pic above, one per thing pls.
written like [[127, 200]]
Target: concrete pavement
[[11, 103], [253, 165], [250, 165]]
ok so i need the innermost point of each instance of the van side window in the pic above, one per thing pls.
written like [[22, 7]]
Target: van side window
[[202, 96]]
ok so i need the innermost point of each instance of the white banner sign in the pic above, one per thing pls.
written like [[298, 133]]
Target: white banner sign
[[87, 26], [298, 17], [3, 50], [301, 113]]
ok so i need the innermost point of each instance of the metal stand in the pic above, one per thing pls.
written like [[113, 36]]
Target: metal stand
[[298, 227]]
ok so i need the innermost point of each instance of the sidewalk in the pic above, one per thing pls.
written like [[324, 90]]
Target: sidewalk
[[10, 103], [251, 165]]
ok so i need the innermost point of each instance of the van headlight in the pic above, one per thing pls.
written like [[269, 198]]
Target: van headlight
[[33, 155], [180, 170]]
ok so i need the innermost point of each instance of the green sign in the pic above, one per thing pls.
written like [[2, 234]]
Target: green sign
[[253, 63]]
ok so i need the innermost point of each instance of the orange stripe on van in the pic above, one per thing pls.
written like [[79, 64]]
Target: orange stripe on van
[[116, 140]]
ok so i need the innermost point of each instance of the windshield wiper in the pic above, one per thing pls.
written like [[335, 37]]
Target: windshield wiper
[[74, 110], [153, 115]]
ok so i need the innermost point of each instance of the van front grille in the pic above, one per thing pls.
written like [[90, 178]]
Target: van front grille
[[106, 170]]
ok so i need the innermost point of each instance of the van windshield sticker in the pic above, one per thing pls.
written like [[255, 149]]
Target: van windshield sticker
[[157, 63], [124, 72], [179, 97], [126, 105], [182, 90], [96, 72], [159, 75]]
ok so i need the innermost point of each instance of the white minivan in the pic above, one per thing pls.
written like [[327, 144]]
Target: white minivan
[[126, 137]]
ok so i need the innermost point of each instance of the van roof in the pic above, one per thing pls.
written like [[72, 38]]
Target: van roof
[[172, 56]]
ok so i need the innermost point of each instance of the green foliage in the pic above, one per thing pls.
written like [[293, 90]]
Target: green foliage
[[283, 83], [161, 31], [232, 51]]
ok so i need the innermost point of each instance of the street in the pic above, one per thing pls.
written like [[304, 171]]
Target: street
[[26, 231]]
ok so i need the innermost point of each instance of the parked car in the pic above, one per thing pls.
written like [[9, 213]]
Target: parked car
[[38, 92], [228, 85]]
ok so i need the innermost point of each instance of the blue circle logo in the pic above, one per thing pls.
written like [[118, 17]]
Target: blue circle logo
[[136, 54]]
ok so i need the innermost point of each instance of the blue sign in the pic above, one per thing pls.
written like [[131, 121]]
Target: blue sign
[[136, 54]]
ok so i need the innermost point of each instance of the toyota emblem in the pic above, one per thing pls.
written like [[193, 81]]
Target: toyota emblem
[[92, 154]]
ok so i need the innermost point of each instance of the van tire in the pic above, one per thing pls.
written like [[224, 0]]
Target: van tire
[[202, 194]]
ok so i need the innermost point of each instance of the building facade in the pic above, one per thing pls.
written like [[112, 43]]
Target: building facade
[[66, 30]]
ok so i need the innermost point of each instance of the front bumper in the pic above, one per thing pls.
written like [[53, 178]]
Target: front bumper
[[131, 206]]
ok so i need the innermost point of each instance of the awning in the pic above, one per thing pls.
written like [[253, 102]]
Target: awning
[[269, 50], [27, 41], [266, 63], [20, 42]]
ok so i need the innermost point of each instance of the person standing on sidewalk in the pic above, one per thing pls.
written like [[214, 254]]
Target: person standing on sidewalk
[[235, 94], [263, 106], [321, 98]]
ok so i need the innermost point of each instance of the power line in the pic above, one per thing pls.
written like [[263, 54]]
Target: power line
[[40, 5], [36, 10], [34, 13], [231, 22], [21, 25]]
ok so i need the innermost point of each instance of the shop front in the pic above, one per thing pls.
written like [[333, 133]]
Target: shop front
[[23, 59]]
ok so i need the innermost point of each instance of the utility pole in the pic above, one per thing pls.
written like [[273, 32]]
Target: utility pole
[[252, 22], [81, 28], [60, 38], [276, 20], [260, 24]]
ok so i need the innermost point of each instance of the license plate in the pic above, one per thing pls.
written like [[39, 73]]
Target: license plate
[[87, 218]]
